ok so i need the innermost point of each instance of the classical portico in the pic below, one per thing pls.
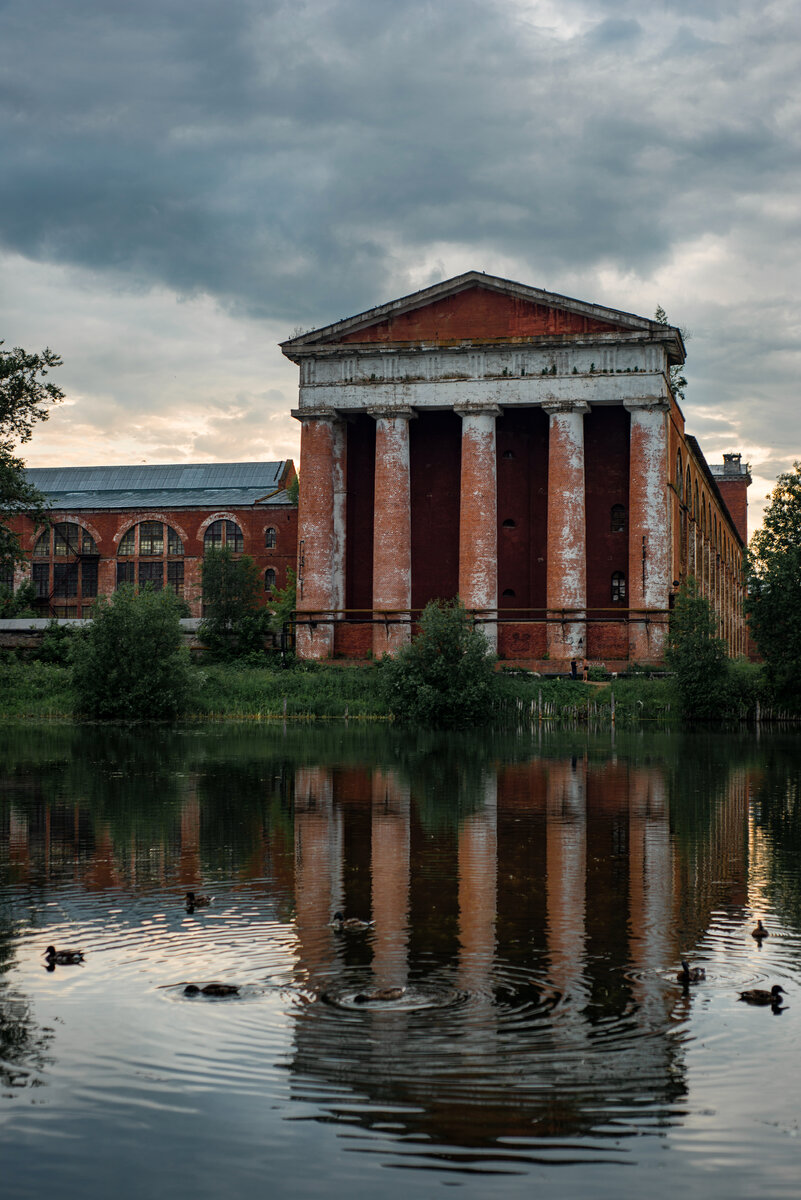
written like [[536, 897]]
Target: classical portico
[[462, 440]]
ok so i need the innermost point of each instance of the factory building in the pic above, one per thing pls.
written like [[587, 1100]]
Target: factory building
[[153, 525], [519, 449]]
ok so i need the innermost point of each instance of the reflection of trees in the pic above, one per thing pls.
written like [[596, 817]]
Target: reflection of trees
[[776, 815], [23, 1046]]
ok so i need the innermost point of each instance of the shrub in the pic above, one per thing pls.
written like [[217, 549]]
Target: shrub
[[129, 663], [445, 678], [697, 656], [21, 603], [234, 624]]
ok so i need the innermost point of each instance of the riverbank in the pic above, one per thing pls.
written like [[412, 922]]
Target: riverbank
[[36, 689]]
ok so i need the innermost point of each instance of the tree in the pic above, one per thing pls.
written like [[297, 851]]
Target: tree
[[697, 655], [774, 586], [445, 677], [678, 381], [25, 398], [234, 623], [130, 664]]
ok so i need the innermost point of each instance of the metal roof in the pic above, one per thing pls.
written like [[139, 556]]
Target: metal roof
[[187, 485]]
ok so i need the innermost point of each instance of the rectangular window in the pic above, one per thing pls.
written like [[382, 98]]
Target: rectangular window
[[89, 579], [174, 543], [7, 578], [153, 574], [66, 610], [175, 577], [151, 537], [125, 573], [65, 579], [61, 541], [233, 537], [40, 574]]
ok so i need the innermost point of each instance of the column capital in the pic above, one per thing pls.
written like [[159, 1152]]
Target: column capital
[[391, 410], [320, 413], [477, 409], [555, 408], [647, 404]]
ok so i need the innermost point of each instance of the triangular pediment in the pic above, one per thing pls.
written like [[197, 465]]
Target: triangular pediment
[[475, 308]]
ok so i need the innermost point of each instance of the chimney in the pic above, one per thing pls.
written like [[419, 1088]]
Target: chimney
[[733, 478]]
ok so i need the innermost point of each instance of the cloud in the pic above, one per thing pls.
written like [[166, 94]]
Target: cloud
[[205, 176]]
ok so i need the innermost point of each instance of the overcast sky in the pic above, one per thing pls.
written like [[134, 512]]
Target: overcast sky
[[185, 182]]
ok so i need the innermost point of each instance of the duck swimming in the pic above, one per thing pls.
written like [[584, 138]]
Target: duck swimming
[[689, 974], [763, 996], [62, 958], [760, 931], [341, 924], [381, 995], [198, 901], [211, 989]]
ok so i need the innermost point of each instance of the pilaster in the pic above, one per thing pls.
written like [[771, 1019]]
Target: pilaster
[[567, 531], [392, 530], [478, 515]]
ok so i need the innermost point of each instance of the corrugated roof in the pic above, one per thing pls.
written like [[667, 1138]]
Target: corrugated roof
[[158, 477], [164, 498]]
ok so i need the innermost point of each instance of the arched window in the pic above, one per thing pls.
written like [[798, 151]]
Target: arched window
[[509, 523], [688, 490], [696, 509], [224, 533], [679, 476], [509, 592], [617, 522], [618, 586], [64, 572], [270, 538], [141, 557], [269, 579]]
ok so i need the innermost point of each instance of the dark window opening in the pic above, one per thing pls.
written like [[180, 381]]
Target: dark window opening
[[618, 519], [509, 592], [509, 523], [125, 573], [88, 579], [65, 580], [151, 573], [508, 454], [40, 574], [270, 538], [175, 577], [618, 586], [269, 579]]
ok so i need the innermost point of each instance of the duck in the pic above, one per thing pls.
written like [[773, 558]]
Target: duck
[[689, 974], [760, 931], [379, 995], [211, 989], [763, 996], [63, 958], [198, 901], [342, 924]]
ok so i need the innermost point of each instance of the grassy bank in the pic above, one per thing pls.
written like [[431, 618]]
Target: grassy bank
[[37, 689]]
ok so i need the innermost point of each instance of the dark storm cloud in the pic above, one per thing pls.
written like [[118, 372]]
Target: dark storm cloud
[[279, 156]]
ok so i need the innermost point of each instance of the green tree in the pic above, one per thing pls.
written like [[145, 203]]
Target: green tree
[[130, 664], [25, 398], [21, 603], [445, 677], [697, 655], [774, 587], [678, 381], [234, 624]]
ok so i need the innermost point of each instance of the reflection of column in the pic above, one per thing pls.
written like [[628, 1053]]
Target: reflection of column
[[478, 515], [566, 867], [651, 915], [478, 876], [392, 528], [390, 878], [318, 859], [649, 526], [320, 528], [567, 529]]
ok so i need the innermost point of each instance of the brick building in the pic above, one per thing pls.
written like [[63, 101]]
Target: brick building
[[517, 448], [153, 524]]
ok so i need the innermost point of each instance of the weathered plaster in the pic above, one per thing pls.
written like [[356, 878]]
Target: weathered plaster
[[478, 518], [567, 536], [392, 532]]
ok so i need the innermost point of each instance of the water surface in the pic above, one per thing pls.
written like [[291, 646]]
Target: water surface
[[533, 893]]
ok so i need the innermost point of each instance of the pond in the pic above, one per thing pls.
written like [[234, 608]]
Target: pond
[[532, 896]]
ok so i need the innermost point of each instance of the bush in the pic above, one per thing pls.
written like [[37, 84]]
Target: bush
[[234, 625], [129, 664], [697, 656], [21, 603], [445, 678]]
